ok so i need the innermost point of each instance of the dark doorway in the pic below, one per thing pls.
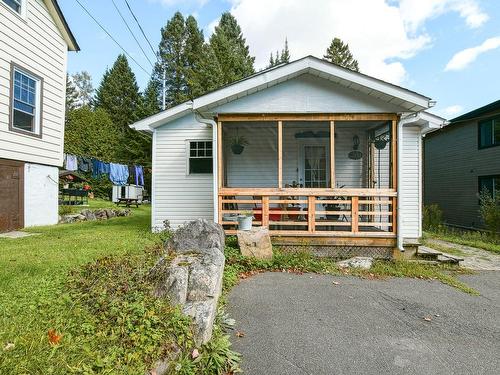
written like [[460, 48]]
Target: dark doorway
[[11, 195]]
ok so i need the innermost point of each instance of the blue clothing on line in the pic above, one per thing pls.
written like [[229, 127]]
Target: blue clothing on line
[[99, 168], [118, 174], [139, 175]]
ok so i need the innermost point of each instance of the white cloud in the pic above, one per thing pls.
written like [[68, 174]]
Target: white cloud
[[452, 110], [416, 12], [171, 3], [381, 34], [462, 59]]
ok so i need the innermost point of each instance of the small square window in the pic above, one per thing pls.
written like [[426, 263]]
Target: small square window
[[489, 133], [489, 184], [25, 102], [200, 157]]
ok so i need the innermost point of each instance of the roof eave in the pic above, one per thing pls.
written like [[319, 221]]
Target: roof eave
[[62, 25]]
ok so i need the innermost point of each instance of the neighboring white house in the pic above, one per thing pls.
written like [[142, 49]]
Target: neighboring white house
[[360, 187], [34, 40]]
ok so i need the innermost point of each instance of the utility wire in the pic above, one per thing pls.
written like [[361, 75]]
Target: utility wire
[[140, 27], [113, 39], [132, 33]]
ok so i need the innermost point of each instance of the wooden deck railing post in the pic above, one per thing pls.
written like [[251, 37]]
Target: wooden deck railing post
[[220, 206], [354, 214], [265, 211], [394, 227], [311, 213], [280, 154]]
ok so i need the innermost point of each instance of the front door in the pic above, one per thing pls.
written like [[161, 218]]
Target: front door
[[11, 195], [315, 166]]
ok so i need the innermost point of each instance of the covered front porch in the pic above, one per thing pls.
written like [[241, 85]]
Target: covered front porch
[[327, 176]]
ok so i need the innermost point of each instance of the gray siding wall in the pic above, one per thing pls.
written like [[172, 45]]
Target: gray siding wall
[[453, 164]]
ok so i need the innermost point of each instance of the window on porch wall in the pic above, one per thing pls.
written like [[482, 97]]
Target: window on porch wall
[[362, 160]]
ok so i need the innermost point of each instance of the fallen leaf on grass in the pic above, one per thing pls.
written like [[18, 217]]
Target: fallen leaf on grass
[[8, 347], [195, 354], [54, 338], [240, 334]]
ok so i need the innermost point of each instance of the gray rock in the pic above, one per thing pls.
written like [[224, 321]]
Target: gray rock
[[255, 243], [203, 314], [110, 213], [70, 218], [89, 215], [356, 262], [197, 236], [205, 277], [175, 285]]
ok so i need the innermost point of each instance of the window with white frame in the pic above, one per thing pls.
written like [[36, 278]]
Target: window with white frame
[[25, 101], [200, 157], [15, 5]]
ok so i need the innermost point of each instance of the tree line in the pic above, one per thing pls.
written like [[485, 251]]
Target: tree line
[[97, 121]]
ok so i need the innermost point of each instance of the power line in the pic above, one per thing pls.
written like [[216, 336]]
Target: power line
[[113, 39], [132, 33], [140, 27]]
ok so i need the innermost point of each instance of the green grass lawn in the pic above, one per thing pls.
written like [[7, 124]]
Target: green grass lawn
[[33, 272], [467, 238]]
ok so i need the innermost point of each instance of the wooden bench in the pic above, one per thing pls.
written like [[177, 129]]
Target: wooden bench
[[128, 202]]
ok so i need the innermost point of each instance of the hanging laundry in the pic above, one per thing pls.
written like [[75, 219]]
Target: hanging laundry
[[99, 168], [71, 162], [84, 164], [139, 175], [118, 174], [132, 175]]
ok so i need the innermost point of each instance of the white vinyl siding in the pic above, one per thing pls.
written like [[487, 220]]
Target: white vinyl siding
[[411, 180], [35, 44], [178, 196]]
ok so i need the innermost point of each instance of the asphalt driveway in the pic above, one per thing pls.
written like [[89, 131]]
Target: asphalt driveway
[[306, 324]]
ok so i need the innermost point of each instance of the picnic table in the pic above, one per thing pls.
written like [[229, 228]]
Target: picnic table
[[128, 202]]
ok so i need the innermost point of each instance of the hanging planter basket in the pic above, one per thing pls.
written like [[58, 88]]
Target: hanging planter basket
[[380, 144], [237, 149]]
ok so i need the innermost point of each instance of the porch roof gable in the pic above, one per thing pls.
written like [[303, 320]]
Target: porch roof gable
[[362, 83]]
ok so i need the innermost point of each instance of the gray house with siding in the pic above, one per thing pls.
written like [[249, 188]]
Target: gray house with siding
[[461, 159]]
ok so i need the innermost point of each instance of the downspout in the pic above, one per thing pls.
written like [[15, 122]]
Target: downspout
[[213, 124], [404, 121]]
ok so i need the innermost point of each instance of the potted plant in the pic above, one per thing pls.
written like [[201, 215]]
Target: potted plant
[[238, 144], [245, 220]]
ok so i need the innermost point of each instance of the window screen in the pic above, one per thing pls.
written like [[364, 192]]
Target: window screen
[[200, 157], [489, 133], [24, 101]]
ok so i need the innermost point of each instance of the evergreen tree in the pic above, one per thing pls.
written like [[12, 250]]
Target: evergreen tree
[[71, 95], [194, 56], [84, 88], [281, 58], [150, 103], [118, 94], [231, 50], [338, 53], [285, 53], [172, 61]]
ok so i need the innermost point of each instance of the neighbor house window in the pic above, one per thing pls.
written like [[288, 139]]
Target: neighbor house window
[[25, 101], [16, 5], [489, 132], [200, 157], [490, 184]]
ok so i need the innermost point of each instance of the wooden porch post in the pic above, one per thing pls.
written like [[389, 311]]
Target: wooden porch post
[[265, 211], [220, 167], [394, 153], [280, 154], [332, 154], [354, 214]]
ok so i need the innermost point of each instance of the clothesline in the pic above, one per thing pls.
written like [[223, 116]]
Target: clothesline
[[118, 173]]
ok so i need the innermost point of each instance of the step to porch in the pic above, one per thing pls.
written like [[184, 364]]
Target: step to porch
[[427, 253]]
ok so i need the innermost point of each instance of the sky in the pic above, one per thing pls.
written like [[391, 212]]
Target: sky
[[448, 50]]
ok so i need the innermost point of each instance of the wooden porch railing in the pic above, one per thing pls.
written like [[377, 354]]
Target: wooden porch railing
[[312, 212]]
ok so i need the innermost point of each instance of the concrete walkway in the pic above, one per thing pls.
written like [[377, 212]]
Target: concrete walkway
[[308, 324], [474, 258]]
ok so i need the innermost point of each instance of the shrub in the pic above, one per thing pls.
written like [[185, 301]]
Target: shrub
[[65, 210], [489, 208], [433, 217]]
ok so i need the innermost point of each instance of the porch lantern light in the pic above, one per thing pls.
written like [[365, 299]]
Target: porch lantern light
[[355, 154]]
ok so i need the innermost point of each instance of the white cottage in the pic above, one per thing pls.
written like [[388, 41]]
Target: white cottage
[[34, 40], [321, 155]]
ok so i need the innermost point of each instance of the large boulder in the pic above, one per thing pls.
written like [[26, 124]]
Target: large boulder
[[255, 243], [197, 236], [356, 262], [193, 278]]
